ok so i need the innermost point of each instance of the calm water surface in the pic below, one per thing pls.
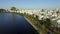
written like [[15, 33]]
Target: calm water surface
[[14, 24]]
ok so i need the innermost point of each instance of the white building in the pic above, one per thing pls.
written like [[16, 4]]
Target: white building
[[55, 19]]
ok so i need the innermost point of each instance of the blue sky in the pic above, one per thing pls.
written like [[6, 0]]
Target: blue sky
[[30, 4]]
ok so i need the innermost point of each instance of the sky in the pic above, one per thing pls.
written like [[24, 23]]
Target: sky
[[45, 4]]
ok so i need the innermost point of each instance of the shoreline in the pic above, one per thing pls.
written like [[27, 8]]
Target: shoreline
[[32, 24]]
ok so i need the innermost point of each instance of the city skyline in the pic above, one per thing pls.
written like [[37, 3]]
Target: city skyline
[[30, 4]]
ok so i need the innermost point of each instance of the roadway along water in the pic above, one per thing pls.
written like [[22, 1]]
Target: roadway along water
[[15, 24]]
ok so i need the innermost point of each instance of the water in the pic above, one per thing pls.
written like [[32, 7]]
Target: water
[[15, 24]]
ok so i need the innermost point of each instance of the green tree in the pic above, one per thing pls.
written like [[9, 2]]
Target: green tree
[[57, 12], [13, 8], [2, 10], [42, 10], [43, 22]]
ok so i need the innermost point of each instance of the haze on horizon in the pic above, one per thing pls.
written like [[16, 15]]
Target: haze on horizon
[[47, 4]]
